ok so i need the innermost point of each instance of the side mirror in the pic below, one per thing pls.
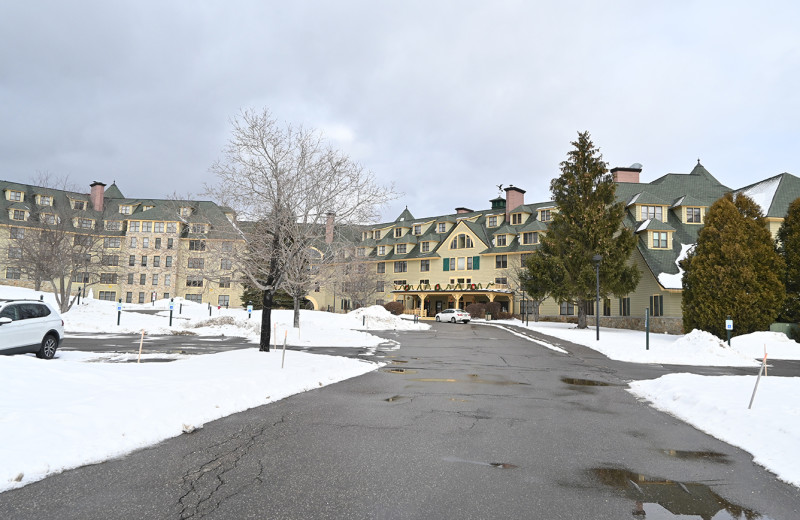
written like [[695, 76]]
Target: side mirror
[[5, 319]]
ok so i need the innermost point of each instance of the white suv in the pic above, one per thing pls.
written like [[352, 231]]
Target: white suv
[[30, 326]]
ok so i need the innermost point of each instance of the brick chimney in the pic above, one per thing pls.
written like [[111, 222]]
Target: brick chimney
[[463, 210], [515, 197], [329, 228], [630, 174], [96, 195]]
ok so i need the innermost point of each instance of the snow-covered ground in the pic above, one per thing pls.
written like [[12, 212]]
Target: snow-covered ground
[[99, 406]]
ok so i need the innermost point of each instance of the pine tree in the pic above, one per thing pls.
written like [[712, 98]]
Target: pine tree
[[588, 223], [789, 249], [734, 270]]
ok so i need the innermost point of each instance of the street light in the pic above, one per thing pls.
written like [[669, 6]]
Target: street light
[[597, 259]]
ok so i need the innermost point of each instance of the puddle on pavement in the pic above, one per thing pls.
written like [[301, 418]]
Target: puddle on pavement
[[400, 371], [653, 497], [395, 361], [396, 398], [584, 382], [482, 381], [499, 465], [710, 456]]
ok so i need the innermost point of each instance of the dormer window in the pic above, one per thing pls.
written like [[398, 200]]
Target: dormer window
[[492, 222], [126, 209], [185, 211], [48, 218], [417, 229], [544, 215], [425, 247], [400, 249], [360, 251], [530, 238], [462, 241], [442, 227], [145, 208], [381, 250], [15, 196], [377, 234], [398, 232], [652, 212], [45, 200], [500, 240], [516, 218], [85, 223], [79, 205], [660, 240], [694, 215], [19, 214], [113, 225]]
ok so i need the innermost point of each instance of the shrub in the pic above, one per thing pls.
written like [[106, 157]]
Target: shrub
[[493, 308], [395, 308], [476, 310], [502, 316]]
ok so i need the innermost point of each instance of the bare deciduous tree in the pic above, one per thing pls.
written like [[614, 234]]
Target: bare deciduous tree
[[285, 180]]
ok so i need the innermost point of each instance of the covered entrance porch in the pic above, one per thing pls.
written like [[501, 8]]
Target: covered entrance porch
[[426, 303]]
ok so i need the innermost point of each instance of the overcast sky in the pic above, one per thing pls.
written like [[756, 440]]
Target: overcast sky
[[445, 99]]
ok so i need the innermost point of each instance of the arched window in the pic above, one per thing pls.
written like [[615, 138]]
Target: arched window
[[461, 241]]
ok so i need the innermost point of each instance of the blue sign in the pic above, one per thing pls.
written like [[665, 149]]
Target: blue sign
[[249, 308], [728, 324]]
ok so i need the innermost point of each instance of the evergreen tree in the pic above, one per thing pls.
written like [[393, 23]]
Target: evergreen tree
[[588, 223], [789, 249], [734, 270]]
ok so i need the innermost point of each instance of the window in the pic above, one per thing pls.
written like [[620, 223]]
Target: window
[[544, 215], [85, 223], [19, 214], [199, 228], [425, 247], [567, 309], [142, 279], [14, 195], [113, 225], [693, 215], [185, 211], [133, 226], [651, 212], [80, 205], [17, 232], [172, 227], [130, 279], [530, 238], [226, 247], [156, 261], [492, 222], [48, 218], [126, 209], [381, 250], [167, 279], [226, 263], [657, 305], [155, 279], [461, 264], [360, 251], [381, 267], [624, 306], [128, 297], [223, 300], [144, 261], [81, 277], [197, 298], [516, 218], [417, 229], [197, 245], [108, 277], [399, 282], [424, 265], [196, 263], [398, 232], [194, 281], [225, 283], [141, 297], [169, 243], [109, 296], [606, 307], [158, 243], [158, 227], [132, 260], [145, 242], [659, 240], [45, 200], [379, 286], [401, 267], [377, 234], [462, 241], [501, 262], [147, 227], [13, 273], [500, 240], [112, 242], [134, 242], [424, 282], [14, 252], [110, 260], [441, 227], [400, 249], [168, 261]]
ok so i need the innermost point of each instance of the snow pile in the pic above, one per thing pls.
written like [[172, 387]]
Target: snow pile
[[776, 344], [718, 406], [675, 281], [101, 410], [707, 345], [377, 317], [763, 193]]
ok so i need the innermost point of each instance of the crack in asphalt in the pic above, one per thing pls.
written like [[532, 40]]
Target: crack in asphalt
[[203, 485]]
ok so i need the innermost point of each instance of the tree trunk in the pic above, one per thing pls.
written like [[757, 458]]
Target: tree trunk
[[581, 314], [296, 311], [266, 321], [535, 306]]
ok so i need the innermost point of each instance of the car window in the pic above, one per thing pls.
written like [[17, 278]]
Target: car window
[[10, 311]]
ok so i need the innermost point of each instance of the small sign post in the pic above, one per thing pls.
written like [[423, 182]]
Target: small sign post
[[647, 328], [729, 328], [119, 310], [249, 311], [171, 307]]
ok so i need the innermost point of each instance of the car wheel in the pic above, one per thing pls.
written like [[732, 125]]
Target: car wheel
[[452, 320], [438, 319], [49, 346]]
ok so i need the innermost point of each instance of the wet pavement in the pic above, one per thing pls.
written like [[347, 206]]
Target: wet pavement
[[463, 422]]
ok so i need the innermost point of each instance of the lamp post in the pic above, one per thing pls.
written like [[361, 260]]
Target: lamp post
[[597, 259]]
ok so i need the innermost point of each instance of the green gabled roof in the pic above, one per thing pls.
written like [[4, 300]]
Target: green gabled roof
[[776, 193], [647, 198], [113, 192], [654, 225], [687, 200], [405, 217]]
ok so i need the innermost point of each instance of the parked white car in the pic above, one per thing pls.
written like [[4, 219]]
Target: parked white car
[[453, 315], [30, 326]]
